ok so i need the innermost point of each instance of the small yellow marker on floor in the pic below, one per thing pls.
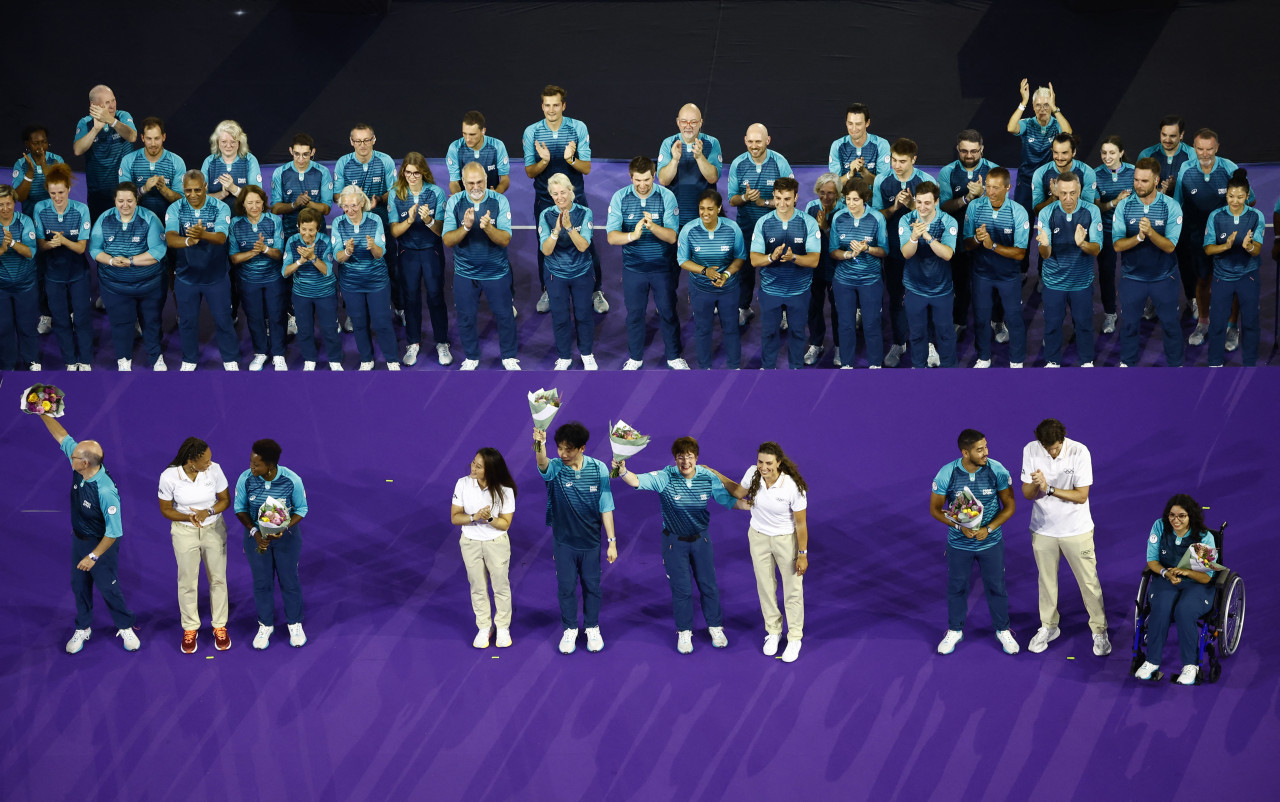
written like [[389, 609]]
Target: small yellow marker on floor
[[493, 657], [391, 480], [1070, 658], [210, 657]]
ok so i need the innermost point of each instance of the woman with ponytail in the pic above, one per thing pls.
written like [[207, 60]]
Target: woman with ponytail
[[483, 504], [1233, 240]]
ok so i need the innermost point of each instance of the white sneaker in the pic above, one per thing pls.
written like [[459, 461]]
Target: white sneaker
[[1101, 645], [159, 366], [1086, 365], [232, 366], [346, 325], [1188, 675], [562, 364], [335, 366], [783, 324], [278, 363], [1123, 365], [443, 355], [72, 367], [124, 365], [186, 367], [411, 354], [45, 325], [291, 328], [718, 638], [469, 364], [1109, 324], [949, 641], [812, 354], [595, 642], [744, 315], [1015, 364], [1195, 315], [677, 364], [544, 304], [263, 639], [503, 639], [792, 651], [85, 367], [1233, 338], [131, 642], [632, 364], [1052, 365], [835, 358], [589, 362], [1006, 640], [366, 365], [1002, 332], [599, 302], [1149, 313], [933, 360], [1197, 336], [684, 641], [393, 366], [307, 367], [77, 640], [894, 356], [257, 362], [481, 640], [1040, 641], [296, 636], [515, 313], [771, 644], [511, 364], [982, 363], [569, 641], [1146, 670]]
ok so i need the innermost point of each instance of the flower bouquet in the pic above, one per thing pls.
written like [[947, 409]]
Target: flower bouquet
[[1200, 557], [965, 509], [43, 399], [273, 519], [625, 442], [543, 405]]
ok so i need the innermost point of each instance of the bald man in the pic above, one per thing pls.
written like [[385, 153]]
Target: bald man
[[95, 524], [689, 162], [751, 179], [104, 136]]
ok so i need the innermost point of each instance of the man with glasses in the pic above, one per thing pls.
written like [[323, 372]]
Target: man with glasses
[[373, 172], [301, 184]]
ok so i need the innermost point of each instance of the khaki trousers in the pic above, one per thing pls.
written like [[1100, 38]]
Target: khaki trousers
[[190, 545], [487, 562], [1079, 551], [771, 556]]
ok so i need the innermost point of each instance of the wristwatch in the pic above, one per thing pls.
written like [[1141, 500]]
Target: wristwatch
[[1052, 490]]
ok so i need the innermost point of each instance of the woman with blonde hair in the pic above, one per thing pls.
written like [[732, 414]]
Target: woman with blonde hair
[[359, 243], [230, 167]]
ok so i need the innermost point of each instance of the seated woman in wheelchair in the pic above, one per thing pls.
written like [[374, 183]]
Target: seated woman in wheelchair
[[1180, 594]]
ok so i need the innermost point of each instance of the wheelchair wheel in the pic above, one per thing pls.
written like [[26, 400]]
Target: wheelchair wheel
[[1215, 671], [1231, 612]]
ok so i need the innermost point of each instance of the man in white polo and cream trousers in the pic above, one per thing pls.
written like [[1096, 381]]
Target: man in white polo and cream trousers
[[1056, 475]]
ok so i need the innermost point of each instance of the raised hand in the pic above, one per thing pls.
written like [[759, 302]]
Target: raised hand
[[544, 153], [469, 218]]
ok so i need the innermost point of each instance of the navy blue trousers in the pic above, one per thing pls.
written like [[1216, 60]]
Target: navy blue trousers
[[105, 577], [680, 558], [574, 568], [635, 293], [278, 563], [991, 567], [466, 301], [706, 306]]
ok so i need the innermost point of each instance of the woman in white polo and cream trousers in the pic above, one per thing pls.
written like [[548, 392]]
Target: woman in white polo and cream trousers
[[483, 505]]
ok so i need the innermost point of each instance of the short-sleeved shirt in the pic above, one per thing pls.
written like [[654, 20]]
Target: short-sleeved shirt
[[566, 261], [244, 171], [200, 263], [18, 272], [1046, 173], [874, 152], [684, 501], [374, 177], [570, 130], [492, 156], [985, 485], [715, 249], [865, 269], [1144, 261], [244, 234], [1200, 194], [1166, 548], [138, 169], [188, 495], [826, 267], [102, 160], [417, 237], [1110, 184], [745, 174], [883, 192], [689, 182], [1235, 263], [252, 492], [802, 236], [773, 508], [37, 192], [927, 273], [95, 502], [142, 234], [647, 254], [953, 182], [1037, 144], [472, 498], [1073, 468], [308, 281], [577, 501], [1169, 165], [1008, 226], [287, 185], [1068, 268], [63, 265], [477, 257], [362, 272]]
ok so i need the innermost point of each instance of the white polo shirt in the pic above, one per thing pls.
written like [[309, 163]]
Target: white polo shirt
[[1073, 468], [772, 507], [187, 495], [468, 495]]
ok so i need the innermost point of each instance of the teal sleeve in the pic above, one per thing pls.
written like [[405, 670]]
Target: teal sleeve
[[240, 504]]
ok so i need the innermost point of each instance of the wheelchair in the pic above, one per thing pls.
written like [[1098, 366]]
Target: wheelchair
[[1220, 627]]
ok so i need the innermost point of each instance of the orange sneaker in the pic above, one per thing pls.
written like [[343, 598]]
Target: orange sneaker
[[221, 639], [189, 641]]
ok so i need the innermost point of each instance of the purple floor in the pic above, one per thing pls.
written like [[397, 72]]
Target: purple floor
[[537, 349], [390, 701]]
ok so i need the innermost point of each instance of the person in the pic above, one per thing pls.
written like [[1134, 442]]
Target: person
[[360, 243], [983, 543], [892, 194], [154, 170], [579, 505], [481, 265], [103, 137], [19, 291], [96, 529], [1057, 473], [961, 182], [230, 166], [1180, 595], [786, 258], [1115, 183], [558, 144], [300, 184], [1171, 152], [1037, 135], [998, 228], [685, 490], [130, 274], [1233, 239], [308, 259], [475, 145], [927, 237], [1145, 232], [415, 207], [196, 228], [752, 176], [689, 162], [644, 220], [1200, 189], [63, 227], [193, 495], [1063, 160], [273, 559], [778, 537], [860, 154], [29, 173], [823, 210], [713, 287], [1069, 236], [255, 241], [484, 503], [564, 234], [858, 243], [372, 172]]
